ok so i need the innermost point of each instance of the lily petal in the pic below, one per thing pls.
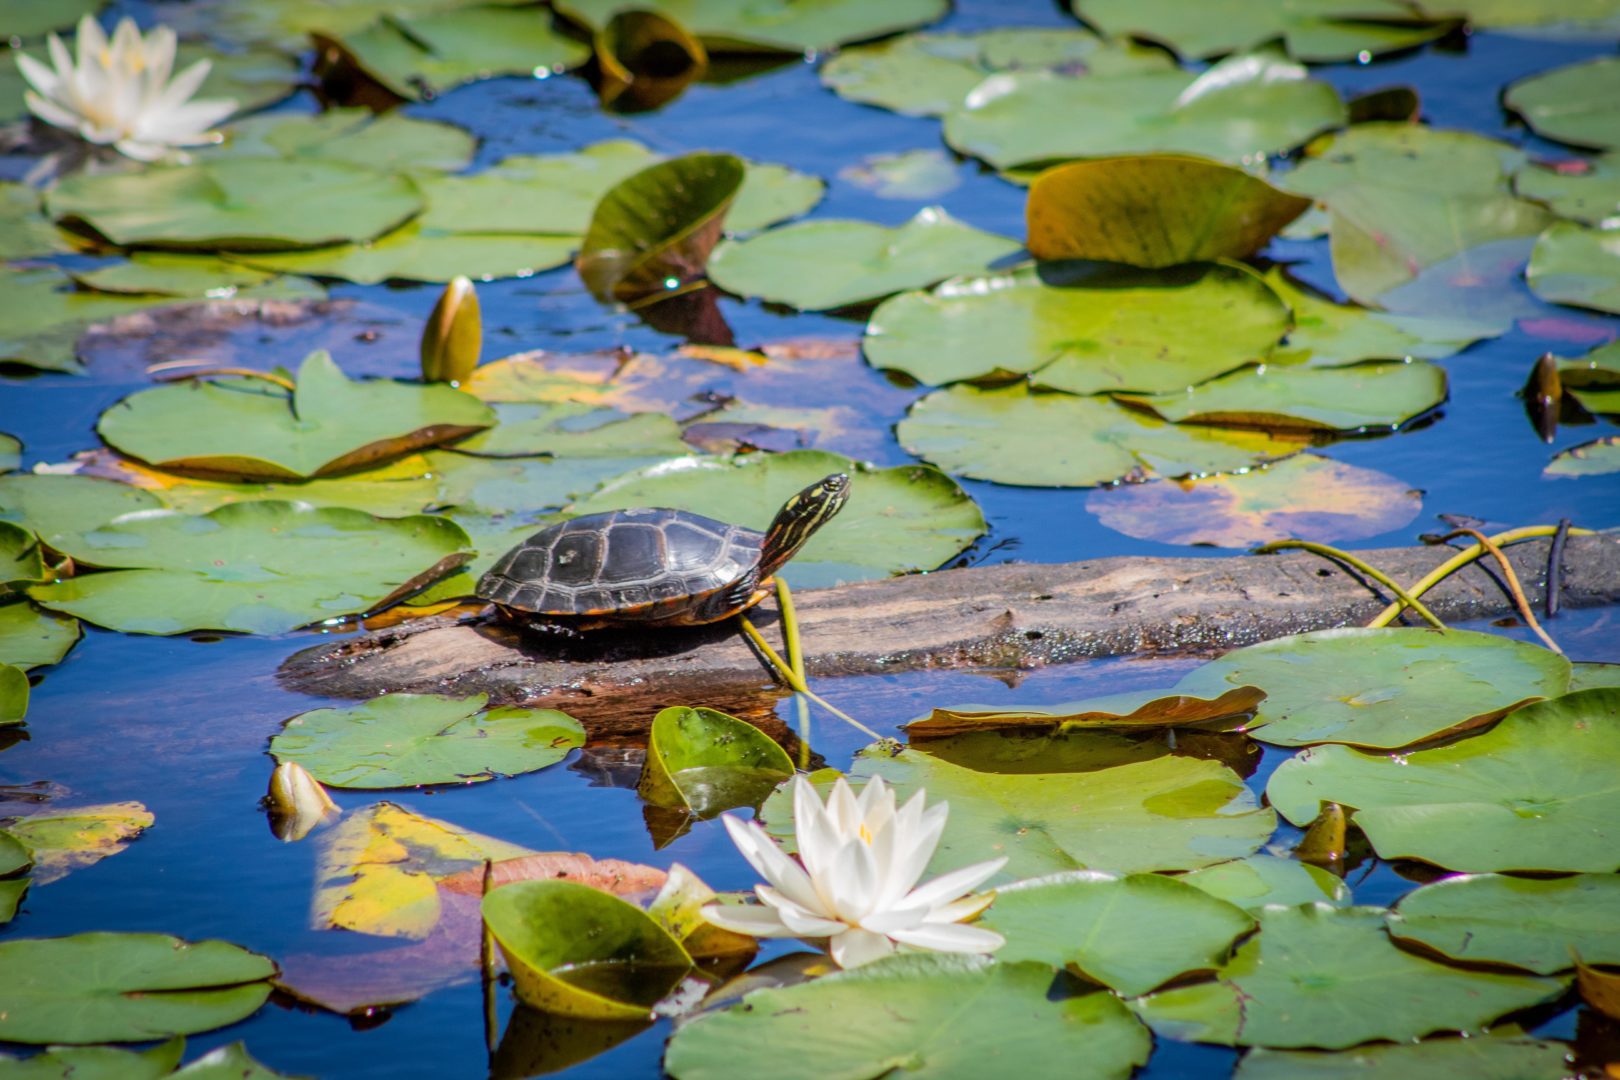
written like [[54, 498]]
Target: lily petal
[[855, 947], [750, 920], [954, 937]]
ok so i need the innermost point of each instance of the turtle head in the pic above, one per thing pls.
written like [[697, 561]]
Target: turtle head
[[801, 516]]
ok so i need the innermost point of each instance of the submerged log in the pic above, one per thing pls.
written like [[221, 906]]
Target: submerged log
[[1012, 616]]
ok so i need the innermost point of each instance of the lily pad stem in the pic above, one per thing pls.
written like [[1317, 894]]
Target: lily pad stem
[[1512, 580], [1404, 599], [791, 677], [795, 648], [486, 966]]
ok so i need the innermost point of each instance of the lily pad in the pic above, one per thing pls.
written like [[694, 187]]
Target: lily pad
[[704, 762], [1328, 977], [1305, 497], [24, 229], [1355, 398], [1594, 379], [644, 60], [97, 1063], [258, 567], [329, 424], [391, 142], [404, 740], [1013, 435], [1576, 265], [533, 193], [497, 486], [576, 951], [1260, 881], [10, 453], [1129, 933], [414, 253], [1596, 458], [56, 506], [1080, 327], [64, 839], [912, 174], [1573, 104], [751, 26], [168, 274], [908, 518], [571, 430], [1326, 334], [1536, 792], [1383, 688], [13, 695], [1154, 210], [1491, 1058], [1531, 923], [105, 987], [931, 74], [816, 265], [1587, 191], [1138, 710], [20, 558], [771, 194], [1323, 30], [43, 314], [35, 18], [1245, 106], [253, 78], [945, 1016]]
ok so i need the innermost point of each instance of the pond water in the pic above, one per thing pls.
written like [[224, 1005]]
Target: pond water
[[181, 724]]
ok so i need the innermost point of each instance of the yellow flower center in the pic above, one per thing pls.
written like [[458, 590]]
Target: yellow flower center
[[866, 834]]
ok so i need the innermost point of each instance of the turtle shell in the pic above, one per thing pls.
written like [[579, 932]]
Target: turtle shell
[[623, 562]]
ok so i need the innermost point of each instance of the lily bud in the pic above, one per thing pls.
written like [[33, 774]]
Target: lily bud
[[298, 804], [454, 335]]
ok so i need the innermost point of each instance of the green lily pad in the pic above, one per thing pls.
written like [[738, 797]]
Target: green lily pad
[[406, 740], [329, 424], [1531, 923], [1129, 933], [1353, 398], [749, 26], [1245, 106], [652, 232], [912, 174], [816, 265], [56, 506], [899, 520], [1326, 334], [287, 24], [1329, 977], [1594, 379], [65, 839], [168, 274], [1262, 880], [1321, 30], [253, 78], [931, 74], [943, 1016], [1081, 328], [24, 229], [1383, 688], [1596, 458], [1136, 710], [20, 558], [43, 314], [10, 453], [14, 856], [1576, 265], [1573, 104], [533, 193], [1014, 435], [414, 253], [481, 485], [1587, 191], [771, 194], [257, 567], [1591, 675], [1166, 813], [1495, 1058], [704, 762], [1154, 210], [97, 1063], [104, 987], [572, 430], [238, 203], [577, 951], [35, 18], [13, 695], [391, 142], [1536, 792]]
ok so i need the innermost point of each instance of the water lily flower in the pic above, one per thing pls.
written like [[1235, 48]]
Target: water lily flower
[[856, 879], [298, 803], [119, 91]]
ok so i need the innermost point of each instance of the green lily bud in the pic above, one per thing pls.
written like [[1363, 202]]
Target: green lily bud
[[298, 803], [454, 335]]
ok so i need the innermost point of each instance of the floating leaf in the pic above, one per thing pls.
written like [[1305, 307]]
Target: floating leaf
[[392, 142], [913, 174], [1547, 16], [1536, 792], [1304, 497], [1081, 328], [704, 762], [569, 430], [104, 987], [1596, 458], [35, 18], [1263, 880], [1245, 106], [1383, 688], [165, 274], [1326, 334], [1329, 977], [771, 25], [97, 1063], [31, 638], [43, 313], [1014, 435], [480, 485], [1587, 191], [24, 230], [1322, 31], [1531, 923], [403, 740], [10, 452], [1599, 989], [252, 428], [65, 839], [258, 567], [541, 193], [771, 194], [1138, 710], [1129, 933], [13, 695], [1573, 104], [1576, 265], [902, 519], [253, 78], [20, 558], [55, 506], [411, 253], [645, 60], [823, 264], [1492, 1058], [1593, 379], [579, 952], [1354, 398], [1154, 210]]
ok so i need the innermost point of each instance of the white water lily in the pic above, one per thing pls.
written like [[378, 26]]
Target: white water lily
[[856, 879], [119, 91]]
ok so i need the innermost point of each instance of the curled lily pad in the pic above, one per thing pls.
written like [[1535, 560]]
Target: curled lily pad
[[402, 740], [823, 264], [1154, 210], [1014, 435], [1576, 265], [20, 558], [1587, 191], [1130, 933], [1533, 793], [328, 424], [1326, 334], [645, 59], [576, 951], [704, 761], [1596, 458], [1358, 398], [105, 987], [1328, 977], [1539, 924], [392, 142], [1573, 104], [1320, 31], [1492, 1058], [1080, 327], [1384, 688], [943, 1015], [13, 695], [768, 25], [64, 839], [1140, 710], [1260, 881]]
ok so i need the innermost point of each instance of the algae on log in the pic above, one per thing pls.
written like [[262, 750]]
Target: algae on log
[[1011, 616]]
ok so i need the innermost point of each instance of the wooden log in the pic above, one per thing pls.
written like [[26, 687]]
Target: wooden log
[[1011, 616]]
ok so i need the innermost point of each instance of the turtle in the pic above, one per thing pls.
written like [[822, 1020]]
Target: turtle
[[652, 566]]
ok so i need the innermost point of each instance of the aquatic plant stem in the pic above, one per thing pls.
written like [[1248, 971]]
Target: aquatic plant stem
[[795, 648], [1466, 556], [1404, 598], [486, 968], [1512, 580], [791, 677]]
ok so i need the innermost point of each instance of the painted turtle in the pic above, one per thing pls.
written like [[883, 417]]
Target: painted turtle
[[654, 567]]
